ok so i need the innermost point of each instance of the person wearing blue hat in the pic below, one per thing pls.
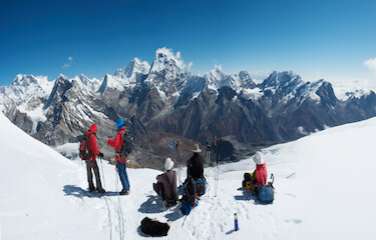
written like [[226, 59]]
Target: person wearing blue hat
[[118, 143]]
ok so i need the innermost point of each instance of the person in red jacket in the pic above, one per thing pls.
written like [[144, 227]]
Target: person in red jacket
[[117, 143], [91, 162], [260, 175]]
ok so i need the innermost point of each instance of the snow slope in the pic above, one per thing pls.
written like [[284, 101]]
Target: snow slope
[[322, 192]]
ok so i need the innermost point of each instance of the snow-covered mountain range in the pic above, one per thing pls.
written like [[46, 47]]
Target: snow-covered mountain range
[[165, 100]]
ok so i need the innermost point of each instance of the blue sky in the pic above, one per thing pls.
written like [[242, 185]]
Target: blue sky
[[330, 39]]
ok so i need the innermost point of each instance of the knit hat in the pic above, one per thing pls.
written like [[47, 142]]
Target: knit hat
[[258, 159], [197, 149], [169, 164], [119, 123]]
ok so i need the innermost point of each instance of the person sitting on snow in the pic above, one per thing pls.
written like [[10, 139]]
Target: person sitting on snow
[[91, 161], [259, 176], [166, 184], [195, 170], [118, 143]]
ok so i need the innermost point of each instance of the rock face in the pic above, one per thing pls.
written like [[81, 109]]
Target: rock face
[[165, 103]]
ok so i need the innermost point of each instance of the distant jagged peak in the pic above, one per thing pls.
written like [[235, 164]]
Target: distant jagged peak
[[26, 80], [282, 79], [216, 73], [169, 63], [135, 66]]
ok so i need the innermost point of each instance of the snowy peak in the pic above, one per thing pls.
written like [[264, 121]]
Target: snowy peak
[[24, 89], [86, 84], [168, 64], [216, 79], [112, 82], [61, 86], [125, 77], [136, 66], [24, 82], [282, 80], [244, 80]]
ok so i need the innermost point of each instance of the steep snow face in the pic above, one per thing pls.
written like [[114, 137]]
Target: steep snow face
[[33, 204]]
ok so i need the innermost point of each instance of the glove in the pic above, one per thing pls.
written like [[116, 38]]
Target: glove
[[100, 155]]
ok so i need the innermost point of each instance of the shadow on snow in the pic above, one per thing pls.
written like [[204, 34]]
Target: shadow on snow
[[75, 191]]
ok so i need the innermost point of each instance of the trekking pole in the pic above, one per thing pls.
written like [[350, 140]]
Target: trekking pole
[[185, 218], [236, 222], [217, 172], [106, 200]]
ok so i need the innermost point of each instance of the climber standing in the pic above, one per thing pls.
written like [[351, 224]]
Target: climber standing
[[118, 144], [91, 160]]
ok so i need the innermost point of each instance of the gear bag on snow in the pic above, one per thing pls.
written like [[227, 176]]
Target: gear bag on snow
[[265, 194], [200, 186], [154, 228], [83, 149]]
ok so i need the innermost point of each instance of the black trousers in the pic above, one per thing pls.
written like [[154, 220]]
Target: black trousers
[[92, 166]]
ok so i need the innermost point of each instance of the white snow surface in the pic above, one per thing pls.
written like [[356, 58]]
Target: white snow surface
[[323, 191]]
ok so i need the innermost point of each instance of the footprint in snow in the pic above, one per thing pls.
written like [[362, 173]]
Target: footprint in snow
[[294, 220]]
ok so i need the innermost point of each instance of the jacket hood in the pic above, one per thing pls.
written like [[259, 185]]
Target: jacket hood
[[93, 128], [169, 164], [258, 158]]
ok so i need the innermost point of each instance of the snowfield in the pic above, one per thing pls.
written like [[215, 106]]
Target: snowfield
[[323, 191]]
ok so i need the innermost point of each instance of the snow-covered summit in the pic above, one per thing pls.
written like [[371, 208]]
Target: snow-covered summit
[[282, 80], [25, 90], [168, 63], [136, 66], [217, 78], [87, 84], [25, 86], [127, 77]]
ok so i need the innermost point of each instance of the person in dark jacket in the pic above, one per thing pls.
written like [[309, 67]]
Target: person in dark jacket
[[121, 160], [166, 184], [91, 162], [195, 165]]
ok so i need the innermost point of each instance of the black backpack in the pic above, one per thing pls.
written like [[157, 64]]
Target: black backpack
[[83, 150], [128, 143], [154, 228]]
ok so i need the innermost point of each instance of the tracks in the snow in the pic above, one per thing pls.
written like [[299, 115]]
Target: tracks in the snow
[[119, 211]]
